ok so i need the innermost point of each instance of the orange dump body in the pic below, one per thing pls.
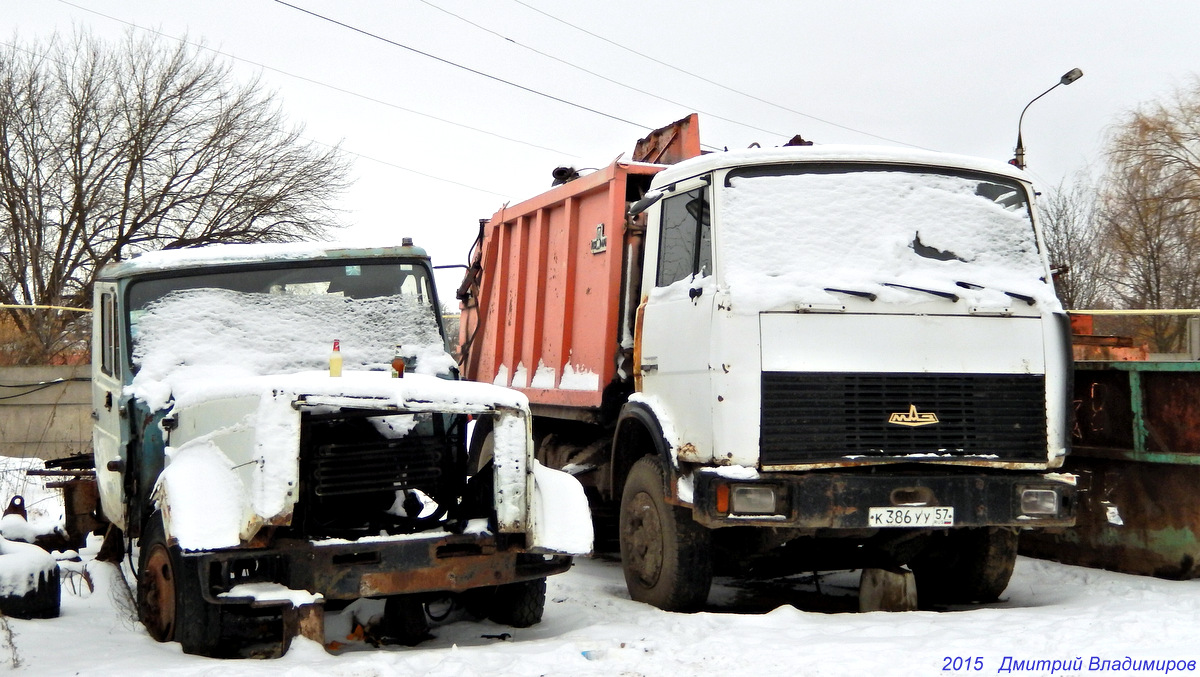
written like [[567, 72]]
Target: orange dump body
[[551, 306]]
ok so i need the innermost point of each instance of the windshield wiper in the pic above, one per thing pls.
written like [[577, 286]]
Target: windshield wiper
[[949, 296], [1011, 294], [1021, 297], [853, 292]]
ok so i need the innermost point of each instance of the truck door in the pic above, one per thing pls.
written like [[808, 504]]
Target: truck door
[[676, 324], [109, 428]]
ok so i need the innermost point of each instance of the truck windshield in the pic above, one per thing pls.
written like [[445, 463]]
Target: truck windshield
[[275, 319], [790, 232]]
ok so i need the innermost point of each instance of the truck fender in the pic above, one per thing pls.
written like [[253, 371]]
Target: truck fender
[[203, 503], [638, 433]]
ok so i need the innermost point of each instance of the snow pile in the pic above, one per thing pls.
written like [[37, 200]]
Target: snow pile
[[16, 528], [224, 254], [273, 592], [43, 506], [591, 627], [788, 238], [207, 333], [579, 378], [21, 566], [573, 378]]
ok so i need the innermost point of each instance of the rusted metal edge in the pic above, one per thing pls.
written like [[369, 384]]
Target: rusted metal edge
[[1141, 456]]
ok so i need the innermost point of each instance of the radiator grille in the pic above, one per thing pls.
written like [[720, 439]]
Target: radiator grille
[[813, 417], [344, 469]]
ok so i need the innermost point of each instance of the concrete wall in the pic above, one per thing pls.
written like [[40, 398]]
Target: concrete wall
[[45, 422]]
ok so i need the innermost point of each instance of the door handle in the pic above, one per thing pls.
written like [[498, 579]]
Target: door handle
[[108, 401], [695, 292], [649, 364]]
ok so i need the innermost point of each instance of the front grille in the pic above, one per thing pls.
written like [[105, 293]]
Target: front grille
[[814, 417], [364, 468]]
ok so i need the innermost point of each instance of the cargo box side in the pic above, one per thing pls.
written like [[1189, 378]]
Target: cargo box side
[[546, 317]]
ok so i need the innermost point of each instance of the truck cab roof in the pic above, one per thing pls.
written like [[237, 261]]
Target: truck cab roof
[[833, 153], [244, 254]]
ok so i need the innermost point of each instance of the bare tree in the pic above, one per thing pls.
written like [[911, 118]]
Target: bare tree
[[109, 150], [1075, 243], [1150, 209]]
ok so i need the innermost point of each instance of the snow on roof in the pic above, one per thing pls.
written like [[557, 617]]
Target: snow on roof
[[832, 153], [233, 254]]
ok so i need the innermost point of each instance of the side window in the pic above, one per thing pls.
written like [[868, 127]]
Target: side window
[[685, 238], [108, 334]]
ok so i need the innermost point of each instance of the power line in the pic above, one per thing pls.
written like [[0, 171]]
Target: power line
[[305, 138], [462, 67], [410, 170], [711, 82], [319, 83], [595, 74]]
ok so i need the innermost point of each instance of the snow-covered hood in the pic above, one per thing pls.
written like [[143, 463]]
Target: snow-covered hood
[[413, 392]]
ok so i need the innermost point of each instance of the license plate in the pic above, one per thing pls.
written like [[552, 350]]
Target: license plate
[[911, 517]]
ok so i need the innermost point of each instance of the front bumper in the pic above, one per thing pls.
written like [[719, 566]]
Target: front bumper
[[843, 500], [375, 567]]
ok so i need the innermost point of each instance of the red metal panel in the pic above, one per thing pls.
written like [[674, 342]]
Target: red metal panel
[[550, 293], [676, 142], [561, 283]]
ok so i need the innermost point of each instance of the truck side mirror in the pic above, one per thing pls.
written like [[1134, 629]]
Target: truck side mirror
[[644, 203]]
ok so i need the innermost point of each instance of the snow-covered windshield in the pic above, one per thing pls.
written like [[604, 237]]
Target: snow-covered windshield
[[278, 320], [789, 234]]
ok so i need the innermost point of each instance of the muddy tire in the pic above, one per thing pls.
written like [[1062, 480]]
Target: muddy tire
[[405, 619], [962, 566], [519, 605], [477, 602], [170, 603], [665, 554]]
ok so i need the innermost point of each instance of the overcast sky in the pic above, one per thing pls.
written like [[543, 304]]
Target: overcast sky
[[431, 160]]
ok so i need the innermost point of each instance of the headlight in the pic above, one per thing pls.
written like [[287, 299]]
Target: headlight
[[1039, 502], [751, 499]]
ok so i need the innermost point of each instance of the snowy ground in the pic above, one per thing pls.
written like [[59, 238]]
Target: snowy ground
[[591, 627]]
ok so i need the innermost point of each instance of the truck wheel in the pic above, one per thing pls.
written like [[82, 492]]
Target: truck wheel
[[519, 605], [965, 565], [405, 619], [666, 555], [169, 599]]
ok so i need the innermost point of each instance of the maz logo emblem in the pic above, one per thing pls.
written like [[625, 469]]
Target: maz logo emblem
[[913, 418]]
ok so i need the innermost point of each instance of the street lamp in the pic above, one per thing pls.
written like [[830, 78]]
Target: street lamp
[[1019, 156]]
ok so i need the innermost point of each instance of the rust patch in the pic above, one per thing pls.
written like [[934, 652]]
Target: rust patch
[[1136, 517], [688, 451], [456, 573], [673, 143], [1172, 411], [306, 620]]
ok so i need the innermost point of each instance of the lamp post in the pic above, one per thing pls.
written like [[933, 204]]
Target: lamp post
[[1019, 155]]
